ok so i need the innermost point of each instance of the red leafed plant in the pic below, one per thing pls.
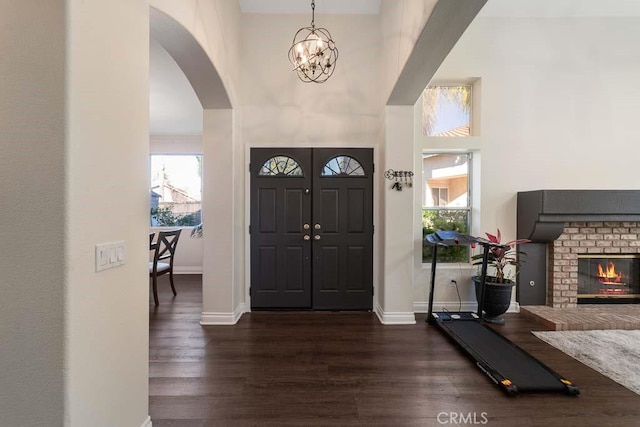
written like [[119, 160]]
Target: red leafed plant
[[500, 257]]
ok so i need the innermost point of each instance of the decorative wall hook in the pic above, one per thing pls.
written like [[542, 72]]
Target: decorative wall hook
[[400, 178]]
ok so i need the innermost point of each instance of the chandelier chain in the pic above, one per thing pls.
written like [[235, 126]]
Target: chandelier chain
[[313, 13]]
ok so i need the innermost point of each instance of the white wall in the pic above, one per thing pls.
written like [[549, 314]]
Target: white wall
[[107, 196], [214, 24], [396, 289], [402, 22], [32, 208], [279, 109], [219, 219], [215, 27], [558, 108]]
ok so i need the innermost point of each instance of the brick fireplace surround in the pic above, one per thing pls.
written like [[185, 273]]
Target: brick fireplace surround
[[597, 237], [562, 224]]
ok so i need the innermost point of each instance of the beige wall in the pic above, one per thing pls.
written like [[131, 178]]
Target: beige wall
[[107, 146], [32, 173], [75, 127]]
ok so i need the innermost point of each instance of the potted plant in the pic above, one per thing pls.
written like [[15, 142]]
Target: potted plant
[[498, 282]]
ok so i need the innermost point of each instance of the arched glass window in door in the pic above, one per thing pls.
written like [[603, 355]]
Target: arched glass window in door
[[281, 166], [342, 165]]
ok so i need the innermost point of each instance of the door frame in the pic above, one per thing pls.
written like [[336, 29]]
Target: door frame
[[377, 200]]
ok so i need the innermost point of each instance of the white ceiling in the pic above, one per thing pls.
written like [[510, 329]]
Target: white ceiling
[[560, 8], [495, 8], [364, 7]]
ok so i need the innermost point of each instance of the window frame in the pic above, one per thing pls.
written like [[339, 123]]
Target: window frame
[[468, 208]]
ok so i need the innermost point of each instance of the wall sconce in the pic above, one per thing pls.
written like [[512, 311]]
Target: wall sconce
[[400, 179]]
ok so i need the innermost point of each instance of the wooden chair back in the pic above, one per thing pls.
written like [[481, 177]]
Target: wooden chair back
[[165, 246]]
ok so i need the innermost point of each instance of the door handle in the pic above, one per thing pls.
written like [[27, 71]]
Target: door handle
[[306, 226], [317, 237], [317, 227], [306, 237]]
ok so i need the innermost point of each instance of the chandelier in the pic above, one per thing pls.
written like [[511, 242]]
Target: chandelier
[[313, 53]]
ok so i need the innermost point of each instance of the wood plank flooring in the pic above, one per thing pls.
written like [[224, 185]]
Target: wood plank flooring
[[346, 369]]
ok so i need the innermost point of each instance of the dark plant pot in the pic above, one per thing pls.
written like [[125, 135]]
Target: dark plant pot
[[497, 298]]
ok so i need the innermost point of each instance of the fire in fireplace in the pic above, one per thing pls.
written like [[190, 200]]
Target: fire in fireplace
[[608, 278]]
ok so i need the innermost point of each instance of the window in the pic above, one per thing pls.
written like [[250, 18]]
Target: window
[[176, 190], [445, 201], [281, 166], [440, 196], [446, 110], [342, 165]]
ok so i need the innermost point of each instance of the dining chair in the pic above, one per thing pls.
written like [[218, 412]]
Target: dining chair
[[164, 251], [151, 236]]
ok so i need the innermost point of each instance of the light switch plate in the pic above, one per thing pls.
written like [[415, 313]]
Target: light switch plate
[[109, 255]]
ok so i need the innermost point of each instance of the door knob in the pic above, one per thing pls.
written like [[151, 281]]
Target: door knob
[[317, 227], [317, 237], [307, 237], [306, 226]]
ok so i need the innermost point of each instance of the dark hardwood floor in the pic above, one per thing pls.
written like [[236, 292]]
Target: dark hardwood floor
[[335, 369]]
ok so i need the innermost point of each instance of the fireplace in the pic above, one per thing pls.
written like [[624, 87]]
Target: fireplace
[[572, 233], [608, 279]]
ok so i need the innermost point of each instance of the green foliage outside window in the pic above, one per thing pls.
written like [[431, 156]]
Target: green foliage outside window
[[450, 219], [164, 217]]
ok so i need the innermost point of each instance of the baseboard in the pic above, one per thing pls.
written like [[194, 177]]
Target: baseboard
[[239, 311], [147, 422], [213, 318], [423, 307], [188, 269], [394, 318]]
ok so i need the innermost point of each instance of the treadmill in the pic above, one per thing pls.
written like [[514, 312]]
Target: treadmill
[[511, 368]]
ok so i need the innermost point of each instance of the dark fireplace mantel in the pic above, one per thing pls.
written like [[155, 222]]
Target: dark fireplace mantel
[[543, 213], [541, 218]]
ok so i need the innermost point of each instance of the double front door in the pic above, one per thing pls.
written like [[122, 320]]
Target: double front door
[[311, 228]]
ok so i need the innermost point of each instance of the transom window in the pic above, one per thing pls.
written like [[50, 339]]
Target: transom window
[[446, 110], [342, 165], [281, 166]]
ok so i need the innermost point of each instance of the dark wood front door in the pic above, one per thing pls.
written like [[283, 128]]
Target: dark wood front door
[[311, 228]]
